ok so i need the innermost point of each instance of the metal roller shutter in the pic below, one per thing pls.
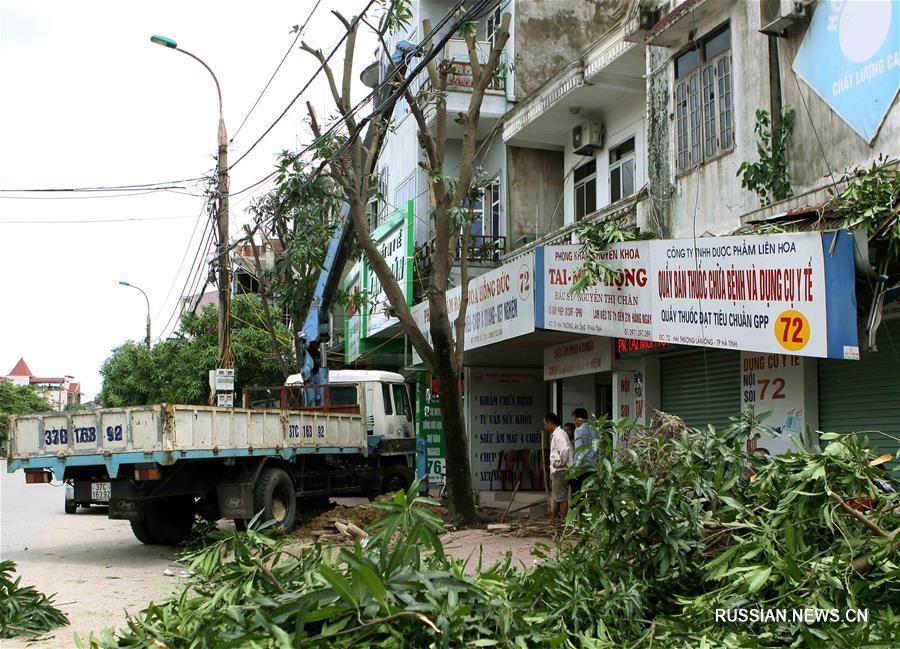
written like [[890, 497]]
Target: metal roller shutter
[[864, 395], [703, 387]]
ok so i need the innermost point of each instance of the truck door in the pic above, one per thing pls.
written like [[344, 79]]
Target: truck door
[[402, 418]]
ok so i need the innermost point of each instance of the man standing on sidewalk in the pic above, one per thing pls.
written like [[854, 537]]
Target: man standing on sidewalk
[[585, 451], [560, 459]]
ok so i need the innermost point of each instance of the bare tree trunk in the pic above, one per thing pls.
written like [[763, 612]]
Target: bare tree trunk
[[456, 443], [444, 354]]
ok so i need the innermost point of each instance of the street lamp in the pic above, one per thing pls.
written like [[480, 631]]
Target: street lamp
[[124, 283], [226, 359]]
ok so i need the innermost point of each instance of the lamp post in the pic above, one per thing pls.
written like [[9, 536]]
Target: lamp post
[[124, 283], [226, 360]]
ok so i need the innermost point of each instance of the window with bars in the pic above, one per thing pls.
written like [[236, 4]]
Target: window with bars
[[585, 189], [704, 116]]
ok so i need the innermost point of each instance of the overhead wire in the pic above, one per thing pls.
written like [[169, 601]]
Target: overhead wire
[[167, 184], [187, 249], [197, 266], [88, 221], [302, 90], [98, 195], [396, 94], [280, 63]]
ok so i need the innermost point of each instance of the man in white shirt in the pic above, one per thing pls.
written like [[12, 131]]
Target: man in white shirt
[[560, 459]]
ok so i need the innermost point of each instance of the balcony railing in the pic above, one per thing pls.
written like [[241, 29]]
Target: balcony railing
[[482, 249], [460, 76]]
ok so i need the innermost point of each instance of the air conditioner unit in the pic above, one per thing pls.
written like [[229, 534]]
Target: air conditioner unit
[[587, 137], [643, 20], [776, 16]]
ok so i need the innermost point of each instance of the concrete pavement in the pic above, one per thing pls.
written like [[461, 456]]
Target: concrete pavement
[[95, 566]]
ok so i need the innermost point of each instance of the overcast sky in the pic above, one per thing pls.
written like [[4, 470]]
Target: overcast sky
[[89, 101]]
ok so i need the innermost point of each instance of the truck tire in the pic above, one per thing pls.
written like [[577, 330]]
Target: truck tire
[[142, 533], [169, 520], [274, 496], [396, 477], [71, 507]]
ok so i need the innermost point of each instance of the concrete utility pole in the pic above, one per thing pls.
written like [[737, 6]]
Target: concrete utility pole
[[147, 299], [226, 359]]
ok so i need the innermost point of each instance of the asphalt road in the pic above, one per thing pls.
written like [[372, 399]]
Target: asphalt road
[[96, 567]]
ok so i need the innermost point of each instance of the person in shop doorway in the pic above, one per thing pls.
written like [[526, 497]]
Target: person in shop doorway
[[584, 446], [560, 460], [569, 427]]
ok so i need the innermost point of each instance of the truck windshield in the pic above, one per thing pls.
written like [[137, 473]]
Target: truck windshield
[[342, 395], [401, 401]]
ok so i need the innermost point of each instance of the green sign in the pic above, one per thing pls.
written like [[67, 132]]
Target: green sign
[[430, 429], [395, 239]]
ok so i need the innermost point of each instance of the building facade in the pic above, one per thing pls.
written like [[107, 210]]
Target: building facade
[[646, 117], [59, 391]]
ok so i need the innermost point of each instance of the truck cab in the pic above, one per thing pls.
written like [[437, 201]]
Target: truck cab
[[388, 410]]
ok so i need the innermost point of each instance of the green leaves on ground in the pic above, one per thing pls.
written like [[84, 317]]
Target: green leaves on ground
[[671, 525], [23, 610], [399, 590]]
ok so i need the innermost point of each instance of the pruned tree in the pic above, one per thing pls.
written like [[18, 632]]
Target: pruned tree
[[298, 215], [353, 170]]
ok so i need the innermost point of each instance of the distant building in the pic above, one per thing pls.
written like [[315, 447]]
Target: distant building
[[243, 274], [59, 391]]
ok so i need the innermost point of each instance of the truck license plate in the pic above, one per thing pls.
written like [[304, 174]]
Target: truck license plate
[[100, 491]]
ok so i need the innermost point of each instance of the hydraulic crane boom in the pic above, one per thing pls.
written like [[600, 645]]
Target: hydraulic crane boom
[[316, 328]]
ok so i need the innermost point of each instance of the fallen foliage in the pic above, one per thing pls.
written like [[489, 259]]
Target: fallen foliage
[[24, 610], [665, 532]]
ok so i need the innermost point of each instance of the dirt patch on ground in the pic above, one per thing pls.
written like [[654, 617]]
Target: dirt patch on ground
[[323, 525]]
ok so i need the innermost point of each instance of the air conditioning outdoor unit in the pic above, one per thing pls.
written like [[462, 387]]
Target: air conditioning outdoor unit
[[776, 16], [587, 137]]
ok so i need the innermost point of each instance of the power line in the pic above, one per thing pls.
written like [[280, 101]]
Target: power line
[[167, 184], [435, 50], [192, 279], [283, 59], [84, 221], [303, 89], [181, 263], [96, 194]]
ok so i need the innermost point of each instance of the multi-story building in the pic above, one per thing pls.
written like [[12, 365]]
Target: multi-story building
[[645, 111], [60, 391]]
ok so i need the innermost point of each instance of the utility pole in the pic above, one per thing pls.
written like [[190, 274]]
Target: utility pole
[[223, 257], [226, 359]]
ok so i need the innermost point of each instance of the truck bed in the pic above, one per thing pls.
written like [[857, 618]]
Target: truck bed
[[167, 433]]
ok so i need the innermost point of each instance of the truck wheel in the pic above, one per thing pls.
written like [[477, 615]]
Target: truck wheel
[[274, 496], [170, 519], [395, 477], [71, 507], [142, 533]]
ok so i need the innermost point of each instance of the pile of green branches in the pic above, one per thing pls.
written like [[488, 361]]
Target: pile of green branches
[[24, 610], [671, 525], [397, 589], [656, 549]]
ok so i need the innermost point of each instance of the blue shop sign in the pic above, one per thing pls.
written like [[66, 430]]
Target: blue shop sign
[[850, 57]]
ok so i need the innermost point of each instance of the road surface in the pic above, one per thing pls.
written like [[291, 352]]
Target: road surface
[[98, 570], [95, 566]]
